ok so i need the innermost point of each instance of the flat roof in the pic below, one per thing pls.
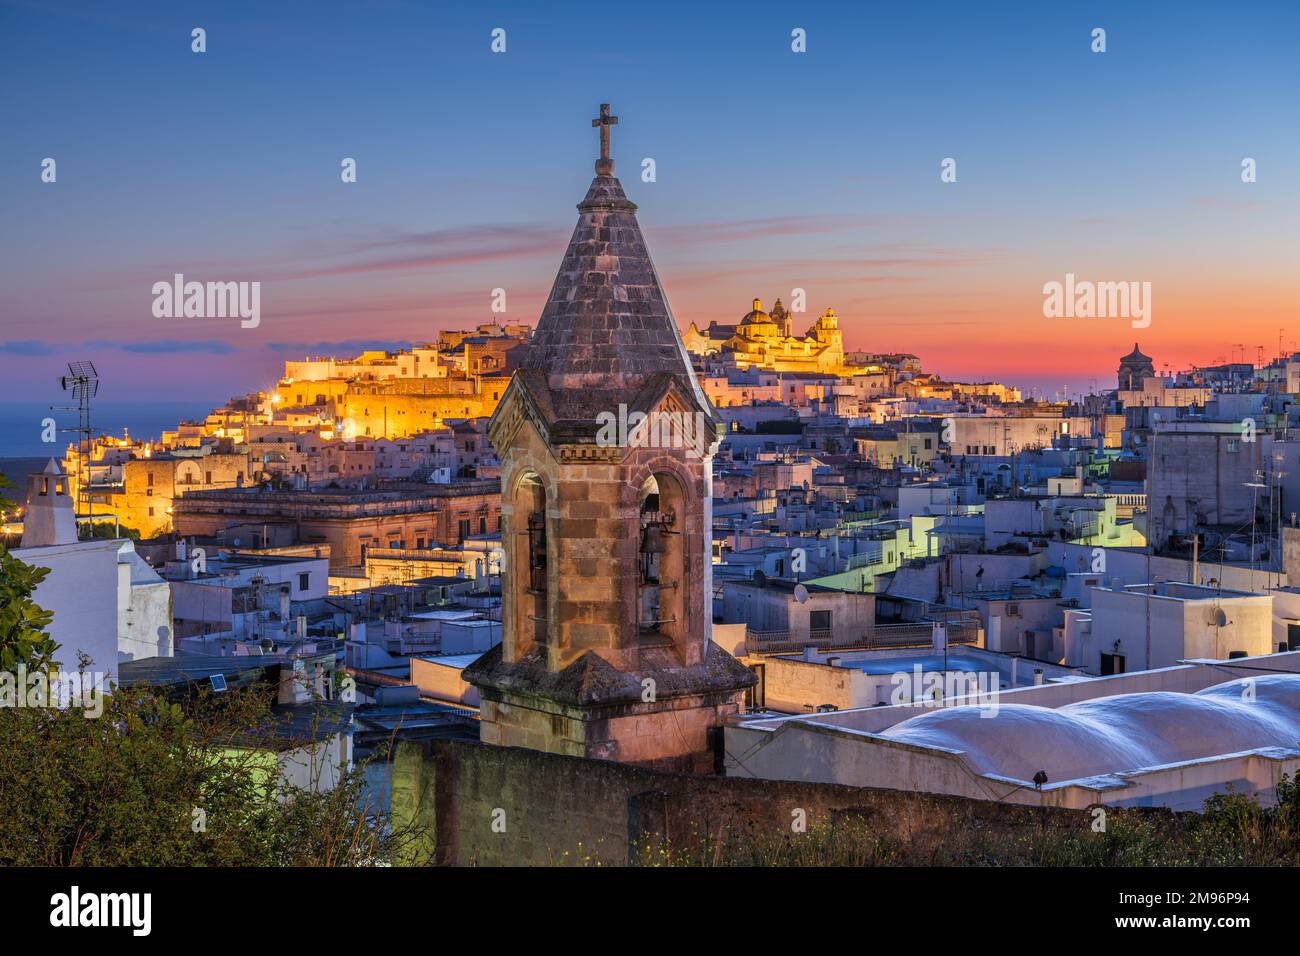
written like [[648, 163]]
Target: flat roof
[[458, 661]]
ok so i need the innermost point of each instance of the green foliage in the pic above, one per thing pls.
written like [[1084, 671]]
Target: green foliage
[[851, 842], [1232, 830], [153, 782], [104, 530], [22, 621]]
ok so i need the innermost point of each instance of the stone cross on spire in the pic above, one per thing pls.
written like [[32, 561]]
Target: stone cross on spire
[[604, 165]]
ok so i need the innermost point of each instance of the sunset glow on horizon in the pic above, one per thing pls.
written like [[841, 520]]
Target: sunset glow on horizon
[[820, 173]]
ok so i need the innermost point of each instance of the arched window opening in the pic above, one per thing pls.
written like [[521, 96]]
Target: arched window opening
[[537, 552], [661, 570], [530, 556]]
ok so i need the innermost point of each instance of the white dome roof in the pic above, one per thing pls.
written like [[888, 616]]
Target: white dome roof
[[1114, 734]]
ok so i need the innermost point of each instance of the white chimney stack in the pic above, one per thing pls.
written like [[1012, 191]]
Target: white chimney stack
[[49, 517]]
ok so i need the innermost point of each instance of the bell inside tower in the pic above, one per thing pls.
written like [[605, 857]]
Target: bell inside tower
[[654, 567]]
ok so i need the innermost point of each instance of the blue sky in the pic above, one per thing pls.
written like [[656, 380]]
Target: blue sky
[[774, 170]]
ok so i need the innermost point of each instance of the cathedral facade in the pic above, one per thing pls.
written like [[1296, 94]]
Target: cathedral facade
[[767, 340]]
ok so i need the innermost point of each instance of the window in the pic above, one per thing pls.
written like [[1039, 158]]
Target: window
[[537, 551], [482, 525], [819, 620], [464, 527], [303, 580]]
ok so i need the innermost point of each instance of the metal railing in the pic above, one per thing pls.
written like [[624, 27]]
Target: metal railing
[[880, 637]]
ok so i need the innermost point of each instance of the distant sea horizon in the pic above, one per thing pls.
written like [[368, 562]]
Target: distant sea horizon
[[20, 423]]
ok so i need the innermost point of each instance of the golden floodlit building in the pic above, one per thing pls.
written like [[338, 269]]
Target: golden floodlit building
[[767, 340]]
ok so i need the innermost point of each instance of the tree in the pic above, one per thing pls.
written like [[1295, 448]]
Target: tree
[[105, 530], [23, 640], [153, 779]]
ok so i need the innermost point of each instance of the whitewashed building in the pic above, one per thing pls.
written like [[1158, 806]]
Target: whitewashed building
[[108, 604]]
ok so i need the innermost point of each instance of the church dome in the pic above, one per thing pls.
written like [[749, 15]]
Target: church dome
[[756, 316], [757, 323]]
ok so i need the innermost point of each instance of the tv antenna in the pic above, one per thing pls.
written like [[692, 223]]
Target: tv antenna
[[83, 382]]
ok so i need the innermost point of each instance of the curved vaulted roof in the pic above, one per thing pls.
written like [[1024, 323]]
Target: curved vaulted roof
[[1125, 732]]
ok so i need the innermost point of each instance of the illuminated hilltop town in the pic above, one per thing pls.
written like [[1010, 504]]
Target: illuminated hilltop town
[[420, 413], [846, 537]]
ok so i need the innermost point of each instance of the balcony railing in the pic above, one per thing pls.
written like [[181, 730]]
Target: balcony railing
[[882, 636]]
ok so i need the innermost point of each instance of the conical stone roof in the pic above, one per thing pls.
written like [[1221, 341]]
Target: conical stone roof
[[606, 328]]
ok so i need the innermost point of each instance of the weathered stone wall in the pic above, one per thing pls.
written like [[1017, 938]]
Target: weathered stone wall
[[795, 686], [556, 810]]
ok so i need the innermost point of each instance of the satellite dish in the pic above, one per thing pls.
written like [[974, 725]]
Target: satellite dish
[[1219, 619], [801, 594]]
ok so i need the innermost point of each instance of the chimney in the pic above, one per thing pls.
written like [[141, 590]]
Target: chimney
[[49, 517], [938, 637]]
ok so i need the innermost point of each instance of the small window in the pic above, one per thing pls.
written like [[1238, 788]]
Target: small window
[[303, 579], [819, 620]]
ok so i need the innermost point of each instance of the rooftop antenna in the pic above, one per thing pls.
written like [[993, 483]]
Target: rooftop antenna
[[83, 382], [1254, 500]]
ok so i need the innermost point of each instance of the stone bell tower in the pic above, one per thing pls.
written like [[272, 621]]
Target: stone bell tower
[[606, 442]]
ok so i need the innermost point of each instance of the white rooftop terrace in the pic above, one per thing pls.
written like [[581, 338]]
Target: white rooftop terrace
[[1166, 737]]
